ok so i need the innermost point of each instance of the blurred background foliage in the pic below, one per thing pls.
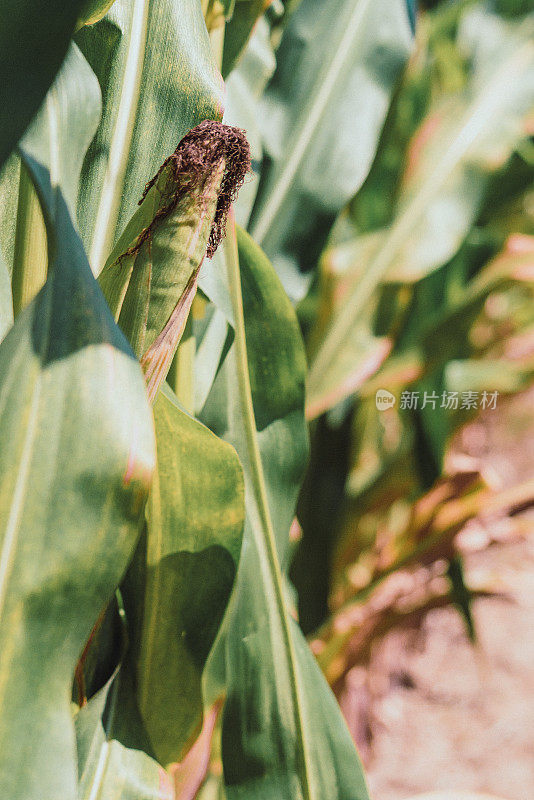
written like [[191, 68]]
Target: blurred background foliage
[[441, 238]]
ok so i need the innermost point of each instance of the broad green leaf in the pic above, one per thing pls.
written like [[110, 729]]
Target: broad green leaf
[[462, 141], [283, 733], [439, 202], [362, 357], [195, 520], [58, 137], [412, 11], [75, 465], [499, 374], [33, 42], [244, 88], [175, 595], [158, 81], [9, 183], [66, 123], [238, 29], [215, 332], [211, 345], [364, 352], [321, 118]]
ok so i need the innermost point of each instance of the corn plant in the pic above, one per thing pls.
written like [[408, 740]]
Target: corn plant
[[152, 385]]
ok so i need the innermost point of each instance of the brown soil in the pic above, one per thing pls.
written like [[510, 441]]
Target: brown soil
[[433, 712]]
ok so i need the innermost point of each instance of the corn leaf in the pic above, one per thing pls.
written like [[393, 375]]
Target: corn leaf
[[462, 141], [107, 769], [93, 10], [321, 118], [283, 734], [244, 88], [61, 132], [44, 31], [76, 460], [195, 520], [238, 29], [175, 595]]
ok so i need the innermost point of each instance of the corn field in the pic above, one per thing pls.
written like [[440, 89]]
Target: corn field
[[260, 261]]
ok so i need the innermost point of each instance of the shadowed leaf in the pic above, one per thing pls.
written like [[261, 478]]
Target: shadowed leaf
[[75, 467]]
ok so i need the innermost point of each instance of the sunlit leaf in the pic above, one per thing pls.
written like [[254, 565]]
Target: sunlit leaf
[[93, 10], [58, 136], [6, 303], [321, 118], [106, 768], [238, 29]]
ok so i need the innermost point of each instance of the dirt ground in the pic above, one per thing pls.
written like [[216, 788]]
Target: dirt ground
[[433, 712]]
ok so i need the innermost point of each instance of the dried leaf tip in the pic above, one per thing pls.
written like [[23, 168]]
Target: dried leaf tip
[[193, 162]]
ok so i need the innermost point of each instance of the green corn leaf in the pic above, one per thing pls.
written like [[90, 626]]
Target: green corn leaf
[[501, 375], [59, 136], [444, 186], [283, 733], [34, 39], [238, 29], [195, 520], [462, 141], [461, 595], [75, 465], [321, 118], [211, 347], [158, 80], [107, 769], [9, 183], [175, 595], [244, 88]]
